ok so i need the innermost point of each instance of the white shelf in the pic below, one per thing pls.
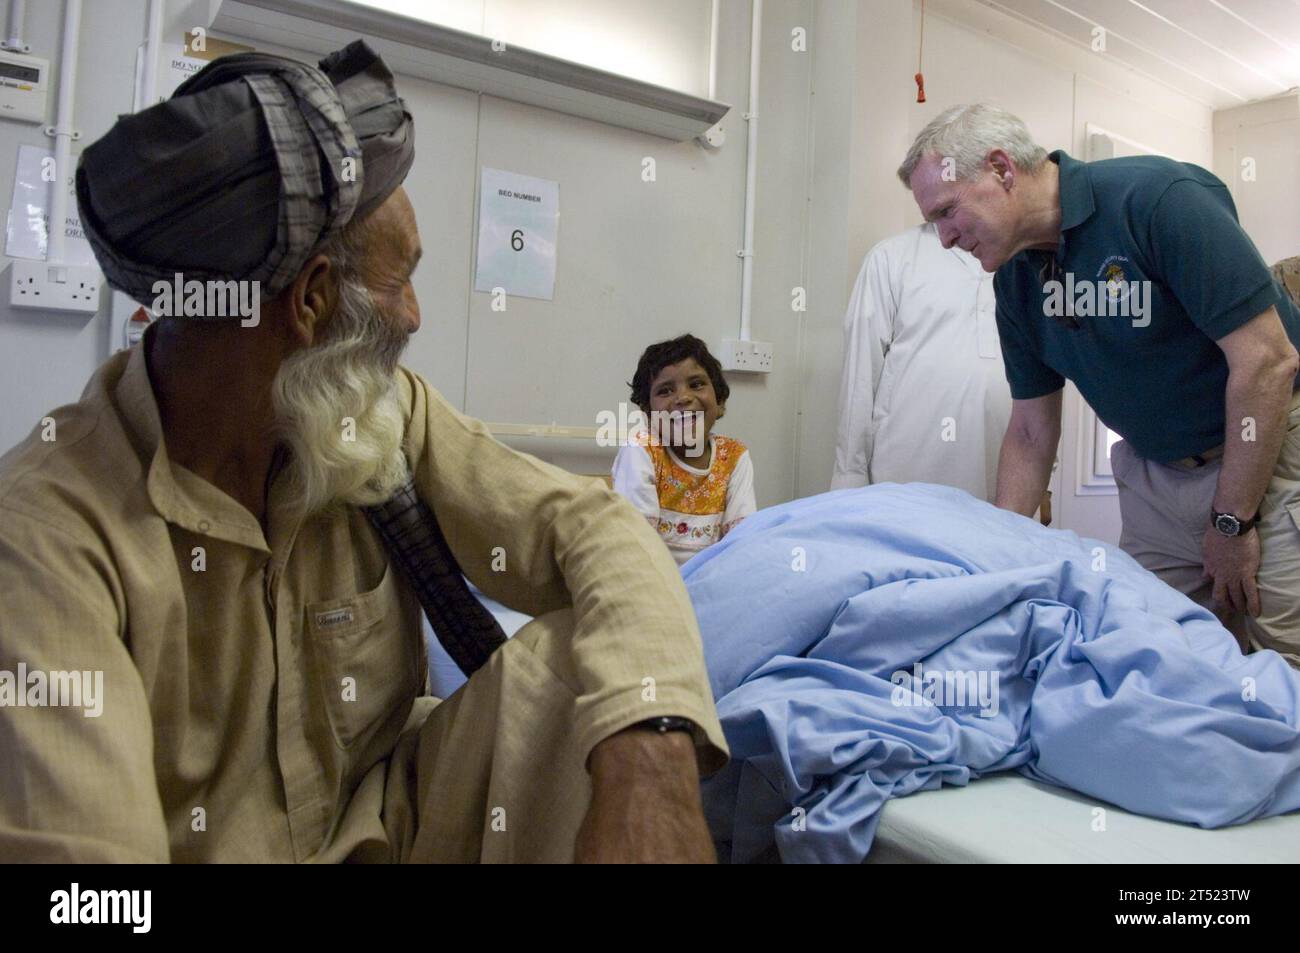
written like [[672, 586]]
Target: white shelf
[[467, 61]]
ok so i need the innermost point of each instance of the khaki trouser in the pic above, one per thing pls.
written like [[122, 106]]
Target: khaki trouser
[[1166, 512], [493, 773]]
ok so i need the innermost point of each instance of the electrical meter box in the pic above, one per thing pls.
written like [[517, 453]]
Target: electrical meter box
[[24, 87]]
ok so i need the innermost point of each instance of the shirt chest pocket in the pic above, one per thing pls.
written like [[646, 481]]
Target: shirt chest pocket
[[365, 661]]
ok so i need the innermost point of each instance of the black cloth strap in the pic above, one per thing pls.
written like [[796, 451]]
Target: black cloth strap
[[416, 543]]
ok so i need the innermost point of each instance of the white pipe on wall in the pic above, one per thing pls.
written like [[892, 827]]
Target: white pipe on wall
[[713, 51], [63, 130], [751, 171], [152, 46], [713, 137], [543, 430], [17, 17]]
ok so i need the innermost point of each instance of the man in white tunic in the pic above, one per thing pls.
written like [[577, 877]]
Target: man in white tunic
[[923, 395]]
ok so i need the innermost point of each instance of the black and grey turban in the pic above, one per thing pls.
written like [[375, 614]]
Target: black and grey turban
[[253, 164]]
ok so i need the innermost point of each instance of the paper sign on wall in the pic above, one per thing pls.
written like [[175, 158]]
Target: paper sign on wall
[[27, 230], [518, 223], [177, 62]]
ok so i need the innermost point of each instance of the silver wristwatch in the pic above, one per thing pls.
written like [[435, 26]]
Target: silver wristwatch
[[1229, 525]]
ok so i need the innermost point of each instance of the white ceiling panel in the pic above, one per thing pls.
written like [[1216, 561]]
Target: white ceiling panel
[[1220, 52]]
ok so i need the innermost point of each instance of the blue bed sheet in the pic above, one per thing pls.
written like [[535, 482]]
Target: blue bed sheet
[[866, 644], [445, 676]]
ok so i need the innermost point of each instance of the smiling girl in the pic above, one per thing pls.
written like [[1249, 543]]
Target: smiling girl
[[691, 484]]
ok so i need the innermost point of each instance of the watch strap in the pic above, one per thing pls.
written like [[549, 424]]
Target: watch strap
[[666, 723]]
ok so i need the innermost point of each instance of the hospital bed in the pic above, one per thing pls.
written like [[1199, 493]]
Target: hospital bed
[[1009, 818], [1006, 818]]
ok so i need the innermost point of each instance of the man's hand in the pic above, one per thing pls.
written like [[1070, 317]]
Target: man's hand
[[645, 802], [1232, 562]]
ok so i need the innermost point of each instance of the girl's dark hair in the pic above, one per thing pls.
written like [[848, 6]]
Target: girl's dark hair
[[665, 354]]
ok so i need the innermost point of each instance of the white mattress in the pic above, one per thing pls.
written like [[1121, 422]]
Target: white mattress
[[1010, 819]]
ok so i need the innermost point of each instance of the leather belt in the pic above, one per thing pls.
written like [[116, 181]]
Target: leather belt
[[1198, 460]]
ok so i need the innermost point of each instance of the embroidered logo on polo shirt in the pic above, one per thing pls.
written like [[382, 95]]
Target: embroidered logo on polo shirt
[[1112, 273], [328, 620], [1112, 294]]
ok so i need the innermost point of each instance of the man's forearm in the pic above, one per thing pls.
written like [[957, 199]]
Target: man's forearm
[[1024, 467], [1257, 400], [668, 755], [645, 801]]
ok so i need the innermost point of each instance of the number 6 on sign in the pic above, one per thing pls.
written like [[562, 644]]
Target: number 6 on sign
[[518, 224]]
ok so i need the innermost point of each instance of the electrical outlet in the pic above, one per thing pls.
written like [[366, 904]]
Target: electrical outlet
[[46, 287], [752, 356]]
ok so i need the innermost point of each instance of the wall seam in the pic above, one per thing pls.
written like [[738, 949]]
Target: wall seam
[[473, 253]]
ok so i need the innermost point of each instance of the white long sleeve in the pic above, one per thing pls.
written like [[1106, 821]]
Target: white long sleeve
[[740, 493], [634, 479], [923, 397], [868, 333]]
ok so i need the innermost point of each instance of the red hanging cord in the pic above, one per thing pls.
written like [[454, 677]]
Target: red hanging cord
[[920, 77]]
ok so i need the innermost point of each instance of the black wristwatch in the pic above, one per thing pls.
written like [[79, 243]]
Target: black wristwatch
[[1229, 525], [666, 723]]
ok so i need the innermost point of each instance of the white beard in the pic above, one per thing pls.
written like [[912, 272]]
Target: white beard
[[336, 407]]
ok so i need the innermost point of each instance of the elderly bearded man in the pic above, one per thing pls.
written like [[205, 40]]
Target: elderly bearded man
[[1197, 373], [194, 530]]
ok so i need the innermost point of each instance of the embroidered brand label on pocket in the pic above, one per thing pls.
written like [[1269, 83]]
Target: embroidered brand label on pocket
[[327, 620]]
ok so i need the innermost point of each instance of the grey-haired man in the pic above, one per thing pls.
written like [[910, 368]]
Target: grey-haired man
[[1133, 278]]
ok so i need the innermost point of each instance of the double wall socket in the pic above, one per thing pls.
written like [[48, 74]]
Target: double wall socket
[[46, 287], [753, 356]]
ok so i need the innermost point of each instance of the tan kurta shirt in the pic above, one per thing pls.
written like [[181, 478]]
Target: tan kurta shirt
[[227, 732]]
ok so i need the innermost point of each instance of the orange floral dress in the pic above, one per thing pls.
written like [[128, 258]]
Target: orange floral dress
[[688, 507]]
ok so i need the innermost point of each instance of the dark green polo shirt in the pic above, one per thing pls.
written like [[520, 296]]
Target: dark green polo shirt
[[1142, 355]]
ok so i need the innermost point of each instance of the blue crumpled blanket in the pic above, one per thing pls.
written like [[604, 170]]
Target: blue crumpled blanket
[[866, 644]]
